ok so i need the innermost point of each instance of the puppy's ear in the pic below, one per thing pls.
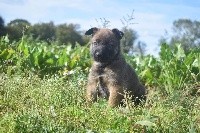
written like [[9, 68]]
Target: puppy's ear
[[91, 31], [118, 33]]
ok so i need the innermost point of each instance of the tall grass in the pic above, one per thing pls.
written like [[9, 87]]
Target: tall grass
[[35, 99]]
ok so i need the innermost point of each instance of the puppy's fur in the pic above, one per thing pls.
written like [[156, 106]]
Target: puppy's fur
[[110, 76]]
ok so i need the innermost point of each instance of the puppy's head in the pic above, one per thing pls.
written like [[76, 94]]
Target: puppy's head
[[105, 44]]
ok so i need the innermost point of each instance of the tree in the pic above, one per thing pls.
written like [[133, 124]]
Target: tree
[[68, 34], [187, 33], [127, 42], [141, 48], [2, 27], [17, 28], [43, 31]]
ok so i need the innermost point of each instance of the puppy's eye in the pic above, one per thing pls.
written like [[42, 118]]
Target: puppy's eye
[[94, 43]]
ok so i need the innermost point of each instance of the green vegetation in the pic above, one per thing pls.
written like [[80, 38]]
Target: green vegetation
[[42, 90], [40, 58]]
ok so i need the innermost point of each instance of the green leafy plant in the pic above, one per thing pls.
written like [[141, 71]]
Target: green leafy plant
[[42, 58]]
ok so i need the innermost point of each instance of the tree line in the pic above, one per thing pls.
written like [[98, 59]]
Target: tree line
[[185, 31], [62, 34], [48, 32]]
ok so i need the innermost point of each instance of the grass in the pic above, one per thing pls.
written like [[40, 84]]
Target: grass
[[31, 102], [55, 104]]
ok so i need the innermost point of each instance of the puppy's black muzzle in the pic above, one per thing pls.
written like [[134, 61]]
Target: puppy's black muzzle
[[102, 54]]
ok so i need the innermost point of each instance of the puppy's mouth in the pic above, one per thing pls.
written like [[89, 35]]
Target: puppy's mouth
[[101, 57], [104, 55]]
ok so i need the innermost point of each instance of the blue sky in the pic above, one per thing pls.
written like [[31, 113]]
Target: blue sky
[[153, 17]]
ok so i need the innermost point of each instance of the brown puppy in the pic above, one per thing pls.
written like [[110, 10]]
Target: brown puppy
[[110, 76]]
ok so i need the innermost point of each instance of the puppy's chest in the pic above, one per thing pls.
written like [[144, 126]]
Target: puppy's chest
[[104, 79], [106, 76]]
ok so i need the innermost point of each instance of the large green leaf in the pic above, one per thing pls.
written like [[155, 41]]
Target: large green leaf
[[180, 52], [50, 61], [7, 53]]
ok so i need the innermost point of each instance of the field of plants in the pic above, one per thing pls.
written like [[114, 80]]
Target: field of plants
[[42, 90]]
